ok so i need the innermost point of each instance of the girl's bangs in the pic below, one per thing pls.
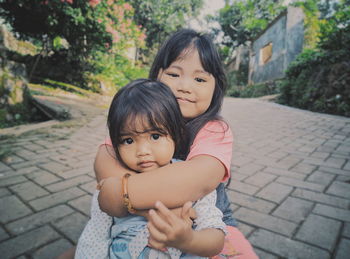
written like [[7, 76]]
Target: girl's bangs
[[141, 122]]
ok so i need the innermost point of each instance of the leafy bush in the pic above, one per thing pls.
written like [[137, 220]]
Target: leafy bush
[[252, 91], [319, 79]]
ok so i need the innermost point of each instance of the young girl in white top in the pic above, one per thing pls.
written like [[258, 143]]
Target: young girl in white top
[[147, 130]]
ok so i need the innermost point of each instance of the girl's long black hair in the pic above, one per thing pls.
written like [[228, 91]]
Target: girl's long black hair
[[153, 103], [171, 50]]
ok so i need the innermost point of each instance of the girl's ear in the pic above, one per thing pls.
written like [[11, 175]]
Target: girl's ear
[[160, 73]]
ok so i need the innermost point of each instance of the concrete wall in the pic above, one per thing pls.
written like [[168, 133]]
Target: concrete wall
[[286, 34]]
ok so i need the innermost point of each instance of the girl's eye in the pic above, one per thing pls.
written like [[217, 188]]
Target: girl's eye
[[200, 80], [172, 74], [127, 141], [155, 136]]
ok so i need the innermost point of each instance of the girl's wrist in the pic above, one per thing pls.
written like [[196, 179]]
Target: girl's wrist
[[125, 194]]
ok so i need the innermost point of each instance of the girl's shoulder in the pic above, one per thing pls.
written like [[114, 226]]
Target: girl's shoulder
[[216, 126]]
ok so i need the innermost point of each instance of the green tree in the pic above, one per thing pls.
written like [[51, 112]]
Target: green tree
[[160, 18], [89, 28], [241, 21]]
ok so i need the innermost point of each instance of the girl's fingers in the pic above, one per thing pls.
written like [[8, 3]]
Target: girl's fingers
[[158, 222], [155, 234], [156, 245], [186, 210]]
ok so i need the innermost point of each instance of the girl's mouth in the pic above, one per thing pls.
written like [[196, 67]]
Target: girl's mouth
[[146, 164], [181, 99]]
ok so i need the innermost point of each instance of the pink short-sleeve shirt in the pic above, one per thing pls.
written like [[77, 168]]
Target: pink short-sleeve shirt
[[214, 139]]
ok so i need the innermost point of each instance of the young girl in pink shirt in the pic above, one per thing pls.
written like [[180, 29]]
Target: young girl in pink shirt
[[190, 65]]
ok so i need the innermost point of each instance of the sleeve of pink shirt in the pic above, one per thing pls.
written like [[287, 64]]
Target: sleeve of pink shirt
[[214, 139]]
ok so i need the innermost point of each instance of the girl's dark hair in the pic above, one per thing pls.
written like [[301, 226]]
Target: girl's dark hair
[[171, 50], [154, 103]]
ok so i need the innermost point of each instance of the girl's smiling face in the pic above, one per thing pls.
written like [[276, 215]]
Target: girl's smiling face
[[190, 83]]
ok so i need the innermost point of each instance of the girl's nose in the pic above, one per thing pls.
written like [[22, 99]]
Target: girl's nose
[[185, 85], [143, 150]]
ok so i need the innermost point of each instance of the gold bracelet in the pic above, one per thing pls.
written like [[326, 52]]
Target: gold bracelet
[[126, 197]]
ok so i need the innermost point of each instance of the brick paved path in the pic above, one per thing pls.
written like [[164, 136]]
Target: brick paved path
[[290, 186]]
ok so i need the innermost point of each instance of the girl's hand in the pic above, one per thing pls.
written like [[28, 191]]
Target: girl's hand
[[169, 230]]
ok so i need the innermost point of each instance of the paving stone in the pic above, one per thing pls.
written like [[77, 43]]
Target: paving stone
[[38, 219], [245, 229], [335, 162], [83, 204], [285, 247], [26, 154], [282, 172], [346, 230], [34, 147], [56, 198], [321, 178], [332, 212], [346, 166], [275, 192], [238, 177], [333, 170], [251, 202], [4, 167], [3, 234], [240, 161], [4, 192], [278, 154], [12, 159], [289, 162], [52, 250], [339, 189], [28, 190], [12, 180], [321, 198], [264, 255], [343, 250], [33, 162], [243, 187], [12, 208], [319, 231], [26, 242], [301, 184], [249, 169], [294, 209], [322, 155], [71, 225], [262, 220], [89, 187], [68, 183], [303, 168], [55, 167], [260, 179], [43, 177], [76, 172]]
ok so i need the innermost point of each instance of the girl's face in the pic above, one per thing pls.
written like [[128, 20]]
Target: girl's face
[[144, 149], [190, 83]]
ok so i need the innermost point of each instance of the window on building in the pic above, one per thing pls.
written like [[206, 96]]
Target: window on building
[[265, 53]]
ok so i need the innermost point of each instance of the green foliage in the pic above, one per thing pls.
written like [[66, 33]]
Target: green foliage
[[312, 22], [74, 32], [253, 91], [319, 79], [242, 21], [160, 18]]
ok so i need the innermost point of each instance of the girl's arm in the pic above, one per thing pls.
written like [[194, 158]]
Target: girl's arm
[[173, 184], [106, 165]]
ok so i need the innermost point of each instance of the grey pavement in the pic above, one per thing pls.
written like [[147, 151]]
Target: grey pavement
[[290, 187]]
